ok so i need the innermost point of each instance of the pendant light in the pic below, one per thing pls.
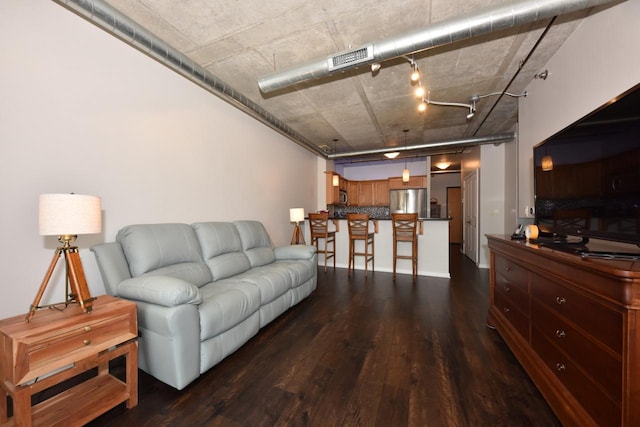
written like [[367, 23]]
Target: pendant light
[[405, 172]]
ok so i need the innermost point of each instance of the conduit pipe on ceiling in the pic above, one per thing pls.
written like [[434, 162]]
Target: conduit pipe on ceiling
[[115, 23], [464, 27], [464, 142]]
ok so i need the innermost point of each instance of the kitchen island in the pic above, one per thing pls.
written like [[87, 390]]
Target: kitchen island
[[433, 247]]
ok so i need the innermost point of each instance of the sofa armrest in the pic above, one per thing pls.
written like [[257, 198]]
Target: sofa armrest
[[161, 290], [295, 252]]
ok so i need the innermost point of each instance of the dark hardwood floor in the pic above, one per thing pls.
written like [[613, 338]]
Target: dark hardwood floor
[[361, 352]]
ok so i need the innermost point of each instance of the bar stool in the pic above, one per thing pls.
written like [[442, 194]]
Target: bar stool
[[319, 225], [359, 230], [405, 230]]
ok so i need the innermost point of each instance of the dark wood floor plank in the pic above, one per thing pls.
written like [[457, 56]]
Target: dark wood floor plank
[[360, 352]]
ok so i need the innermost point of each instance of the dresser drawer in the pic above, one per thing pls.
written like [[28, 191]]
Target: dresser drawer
[[603, 366], [510, 274], [518, 319], [516, 295], [597, 320], [599, 405]]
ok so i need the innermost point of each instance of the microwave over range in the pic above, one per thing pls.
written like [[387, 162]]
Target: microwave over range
[[342, 198]]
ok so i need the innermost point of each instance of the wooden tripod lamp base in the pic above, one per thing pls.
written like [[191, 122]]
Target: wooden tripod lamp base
[[77, 289], [297, 215]]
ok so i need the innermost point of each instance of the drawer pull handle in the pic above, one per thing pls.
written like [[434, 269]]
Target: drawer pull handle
[[506, 288], [560, 367], [87, 328], [86, 342], [560, 333], [561, 300], [507, 268], [506, 309]]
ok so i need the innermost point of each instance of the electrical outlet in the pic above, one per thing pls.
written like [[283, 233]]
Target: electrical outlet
[[526, 211]]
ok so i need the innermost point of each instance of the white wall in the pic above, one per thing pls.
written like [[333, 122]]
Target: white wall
[[83, 112], [492, 197], [598, 62]]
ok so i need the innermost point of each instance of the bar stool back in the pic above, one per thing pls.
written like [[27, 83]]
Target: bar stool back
[[319, 226], [405, 230], [359, 231]]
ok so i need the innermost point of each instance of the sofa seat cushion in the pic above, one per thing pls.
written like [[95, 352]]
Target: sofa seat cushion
[[164, 249], [226, 304], [272, 280], [299, 270], [221, 249]]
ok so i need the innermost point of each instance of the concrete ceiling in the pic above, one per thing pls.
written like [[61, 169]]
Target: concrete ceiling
[[241, 41]]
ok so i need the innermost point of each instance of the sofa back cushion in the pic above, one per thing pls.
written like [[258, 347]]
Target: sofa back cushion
[[256, 242], [221, 249], [164, 249]]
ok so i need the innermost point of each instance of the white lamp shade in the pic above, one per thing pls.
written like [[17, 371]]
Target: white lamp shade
[[296, 214], [69, 214], [336, 181], [405, 175]]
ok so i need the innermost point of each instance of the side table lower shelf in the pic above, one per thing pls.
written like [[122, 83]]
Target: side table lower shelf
[[83, 402]]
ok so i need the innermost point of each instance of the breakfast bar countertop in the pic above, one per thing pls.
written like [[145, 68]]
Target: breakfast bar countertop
[[433, 246]]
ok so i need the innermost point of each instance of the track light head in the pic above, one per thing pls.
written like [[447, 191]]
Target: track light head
[[415, 73]]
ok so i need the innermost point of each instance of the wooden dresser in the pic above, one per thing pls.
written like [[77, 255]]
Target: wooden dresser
[[57, 345], [573, 324]]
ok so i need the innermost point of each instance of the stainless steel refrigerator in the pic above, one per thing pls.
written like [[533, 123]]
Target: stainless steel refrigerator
[[412, 200]]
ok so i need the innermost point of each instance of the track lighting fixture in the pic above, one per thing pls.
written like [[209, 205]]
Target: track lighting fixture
[[472, 101], [422, 107], [375, 67], [419, 91], [415, 74]]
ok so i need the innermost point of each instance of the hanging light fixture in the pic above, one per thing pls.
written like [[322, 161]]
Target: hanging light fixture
[[391, 155], [336, 178], [405, 172], [420, 92], [442, 165], [415, 73]]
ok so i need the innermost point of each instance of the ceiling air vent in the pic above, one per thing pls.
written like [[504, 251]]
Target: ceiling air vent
[[351, 57]]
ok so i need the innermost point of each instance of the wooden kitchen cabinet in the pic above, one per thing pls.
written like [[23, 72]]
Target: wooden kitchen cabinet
[[59, 344], [365, 193], [381, 192], [418, 181], [574, 325], [353, 193]]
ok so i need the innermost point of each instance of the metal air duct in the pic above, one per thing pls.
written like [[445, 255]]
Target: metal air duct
[[464, 142], [442, 33]]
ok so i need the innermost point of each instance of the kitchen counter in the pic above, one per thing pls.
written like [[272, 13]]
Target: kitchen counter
[[433, 247]]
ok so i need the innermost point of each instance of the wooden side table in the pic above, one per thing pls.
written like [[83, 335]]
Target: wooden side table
[[57, 345]]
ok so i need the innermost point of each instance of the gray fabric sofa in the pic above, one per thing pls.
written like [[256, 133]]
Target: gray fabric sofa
[[202, 290]]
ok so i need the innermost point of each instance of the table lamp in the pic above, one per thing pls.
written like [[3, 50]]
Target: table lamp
[[66, 216], [296, 215]]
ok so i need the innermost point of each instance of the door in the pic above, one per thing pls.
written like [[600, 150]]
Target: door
[[470, 209], [454, 211]]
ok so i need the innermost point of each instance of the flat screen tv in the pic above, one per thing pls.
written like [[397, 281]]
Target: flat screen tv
[[587, 177]]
